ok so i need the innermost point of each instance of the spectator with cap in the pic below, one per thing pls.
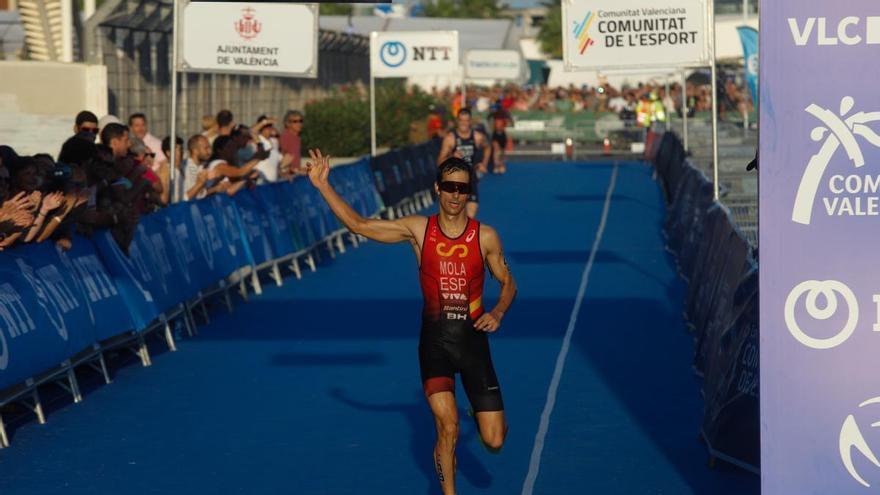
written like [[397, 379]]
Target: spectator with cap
[[291, 143], [143, 157], [137, 124], [266, 135]]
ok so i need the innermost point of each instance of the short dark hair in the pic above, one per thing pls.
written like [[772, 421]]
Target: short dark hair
[[451, 165], [219, 143], [224, 118], [464, 111], [112, 131], [191, 142], [166, 144], [77, 151], [85, 116], [137, 116]]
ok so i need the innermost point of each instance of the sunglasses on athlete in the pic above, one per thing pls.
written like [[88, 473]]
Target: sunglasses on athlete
[[455, 187]]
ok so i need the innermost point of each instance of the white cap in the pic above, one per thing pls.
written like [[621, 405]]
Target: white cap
[[108, 119]]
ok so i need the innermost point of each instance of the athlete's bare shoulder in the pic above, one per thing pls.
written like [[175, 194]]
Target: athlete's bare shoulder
[[489, 239], [414, 223]]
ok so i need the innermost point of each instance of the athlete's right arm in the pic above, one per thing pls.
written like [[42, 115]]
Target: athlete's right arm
[[388, 231]]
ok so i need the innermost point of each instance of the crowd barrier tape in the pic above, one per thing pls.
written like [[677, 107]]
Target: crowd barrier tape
[[60, 309], [720, 268]]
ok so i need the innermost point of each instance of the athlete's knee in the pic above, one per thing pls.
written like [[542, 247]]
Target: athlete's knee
[[448, 430], [493, 440]]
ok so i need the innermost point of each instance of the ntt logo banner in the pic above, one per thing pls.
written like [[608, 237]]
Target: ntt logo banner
[[819, 232], [414, 53], [608, 34]]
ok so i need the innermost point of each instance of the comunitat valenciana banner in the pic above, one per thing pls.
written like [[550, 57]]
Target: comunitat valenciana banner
[[414, 53], [608, 34], [250, 38], [819, 238]]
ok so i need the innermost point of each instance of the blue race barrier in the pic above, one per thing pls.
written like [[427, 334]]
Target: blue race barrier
[[45, 317], [56, 305], [106, 307], [720, 306], [255, 225]]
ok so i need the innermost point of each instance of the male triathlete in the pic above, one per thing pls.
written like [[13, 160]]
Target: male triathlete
[[463, 143], [500, 120], [451, 250]]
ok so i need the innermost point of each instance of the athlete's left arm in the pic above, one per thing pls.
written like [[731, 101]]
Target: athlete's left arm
[[490, 243], [487, 150]]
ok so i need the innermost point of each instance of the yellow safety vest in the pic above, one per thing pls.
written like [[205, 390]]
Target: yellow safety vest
[[643, 114], [658, 112]]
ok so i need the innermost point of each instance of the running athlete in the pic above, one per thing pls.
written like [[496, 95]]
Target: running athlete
[[500, 120], [452, 251], [463, 143]]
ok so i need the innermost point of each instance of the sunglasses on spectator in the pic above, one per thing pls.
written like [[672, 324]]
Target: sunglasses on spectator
[[455, 187], [93, 130], [295, 121]]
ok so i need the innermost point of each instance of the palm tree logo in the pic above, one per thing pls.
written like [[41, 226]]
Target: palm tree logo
[[838, 130]]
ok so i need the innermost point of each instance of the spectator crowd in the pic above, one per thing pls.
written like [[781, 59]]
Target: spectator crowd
[[601, 98], [109, 173]]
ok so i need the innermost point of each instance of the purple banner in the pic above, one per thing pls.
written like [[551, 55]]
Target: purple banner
[[819, 242]]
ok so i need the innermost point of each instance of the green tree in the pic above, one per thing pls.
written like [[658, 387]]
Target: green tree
[[396, 109], [475, 9], [550, 34], [335, 8], [340, 124]]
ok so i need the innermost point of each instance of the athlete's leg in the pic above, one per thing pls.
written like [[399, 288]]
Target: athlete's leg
[[493, 429], [446, 418], [497, 163], [473, 198], [481, 385]]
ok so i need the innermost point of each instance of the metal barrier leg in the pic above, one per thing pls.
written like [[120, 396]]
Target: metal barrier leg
[[276, 275], [4, 439], [330, 248], [38, 407], [74, 385], [294, 266], [169, 338], [189, 321], [104, 368], [144, 351], [354, 240], [340, 244], [255, 283], [242, 289], [205, 311], [228, 299], [310, 260]]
